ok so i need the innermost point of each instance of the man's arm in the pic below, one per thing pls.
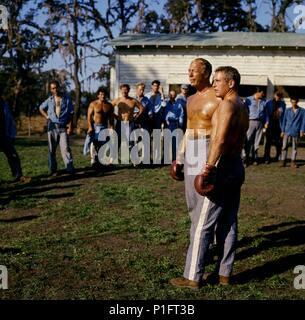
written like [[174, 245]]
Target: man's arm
[[70, 120], [140, 107], [267, 112], [111, 117], [90, 114], [283, 123], [223, 121], [302, 131], [42, 108], [181, 116], [115, 103]]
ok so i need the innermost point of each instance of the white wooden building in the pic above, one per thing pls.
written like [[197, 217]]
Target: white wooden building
[[271, 60]]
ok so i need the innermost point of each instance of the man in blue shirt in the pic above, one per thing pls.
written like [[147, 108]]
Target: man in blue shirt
[[173, 118], [256, 106], [293, 128], [275, 109], [58, 110], [157, 99], [182, 100], [145, 120]]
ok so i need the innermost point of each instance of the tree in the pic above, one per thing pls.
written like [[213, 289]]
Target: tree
[[278, 14], [222, 15], [22, 55]]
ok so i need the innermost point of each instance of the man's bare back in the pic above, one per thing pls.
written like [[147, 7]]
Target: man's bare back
[[230, 122]]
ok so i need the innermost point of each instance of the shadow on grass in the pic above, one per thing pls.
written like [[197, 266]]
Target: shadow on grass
[[18, 219], [30, 142], [291, 237], [31, 192], [269, 269], [10, 250]]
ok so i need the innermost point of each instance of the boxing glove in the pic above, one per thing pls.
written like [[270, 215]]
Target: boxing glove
[[176, 171], [204, 182]]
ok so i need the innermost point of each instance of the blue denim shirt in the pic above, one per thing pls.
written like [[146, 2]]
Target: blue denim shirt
[[146, 104], [269, 110], [182, 100], [256, 110], [294, 123], [65, 112], [173, 113], [156, 102]]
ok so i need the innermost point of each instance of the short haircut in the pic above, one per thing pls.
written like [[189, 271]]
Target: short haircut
[[140, 84], [295, 98], [230, 74], [56, 82], [155, 81], [259, 89], [125, 85], [279, 94], [206, 65], [101, 89]]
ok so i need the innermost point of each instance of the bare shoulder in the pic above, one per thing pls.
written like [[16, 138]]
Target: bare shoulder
[[108, 106], [92, 104], [115, 101], [227, 107]]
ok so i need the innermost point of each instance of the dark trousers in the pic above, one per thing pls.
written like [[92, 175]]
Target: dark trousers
[[273, 137], [12, 156]]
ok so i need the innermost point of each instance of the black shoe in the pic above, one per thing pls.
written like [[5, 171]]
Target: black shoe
[[71, 172], [53, 174]]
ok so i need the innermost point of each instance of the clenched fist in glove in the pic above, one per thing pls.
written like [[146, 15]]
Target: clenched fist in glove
[[204, 182], [176, 171]]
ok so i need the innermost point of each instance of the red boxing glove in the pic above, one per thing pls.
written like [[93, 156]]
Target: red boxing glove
[[176, 171], [204, 182]]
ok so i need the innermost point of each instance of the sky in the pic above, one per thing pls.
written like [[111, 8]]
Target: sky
[[263, 17]]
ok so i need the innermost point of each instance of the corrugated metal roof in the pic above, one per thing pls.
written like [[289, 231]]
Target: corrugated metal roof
[[238, 39]]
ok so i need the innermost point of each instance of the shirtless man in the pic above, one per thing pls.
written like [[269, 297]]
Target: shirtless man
[[200, 109], [219, 185], [126, 116], [99, 117]]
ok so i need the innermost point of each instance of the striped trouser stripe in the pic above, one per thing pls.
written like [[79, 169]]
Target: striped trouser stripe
[[197, 239]]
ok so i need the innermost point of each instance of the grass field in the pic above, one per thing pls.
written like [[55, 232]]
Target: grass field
[[123, 233]]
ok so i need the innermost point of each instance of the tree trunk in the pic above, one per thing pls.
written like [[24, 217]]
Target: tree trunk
[[76, 66]]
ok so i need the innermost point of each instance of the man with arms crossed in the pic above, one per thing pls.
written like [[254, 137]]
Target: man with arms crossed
[[125, 116], [219, 185]]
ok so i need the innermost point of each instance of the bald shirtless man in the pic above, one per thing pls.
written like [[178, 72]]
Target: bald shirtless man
[[219, 184], [125, 115], [99, 117]]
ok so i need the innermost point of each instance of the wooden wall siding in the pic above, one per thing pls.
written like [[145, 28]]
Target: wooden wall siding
[[257, 67]]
